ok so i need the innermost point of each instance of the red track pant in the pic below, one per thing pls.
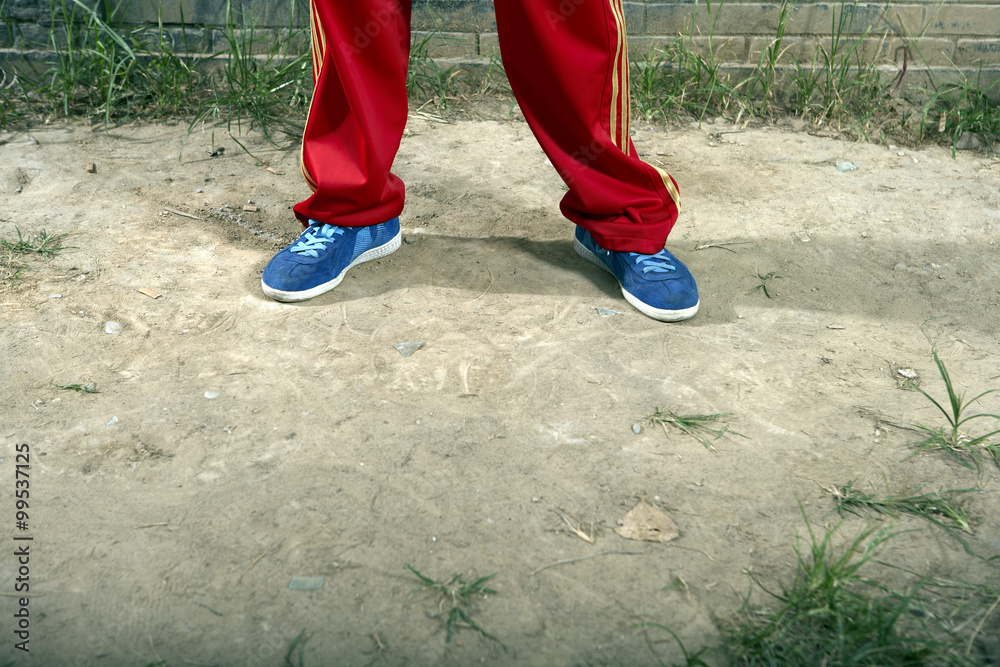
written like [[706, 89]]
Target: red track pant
[[567, 64]]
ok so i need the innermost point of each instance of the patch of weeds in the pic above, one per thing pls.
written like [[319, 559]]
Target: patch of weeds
[[265, 81], [456, 595], [760, 86], [842, 82], [90, 388], [945, 509], [10, 268], [298, 643], [966, 449], [8, 93], [963, 107], [762, 287], [678, 80], [44, 244], [697, 426], [104, 69], [833, 614], [426, 79]]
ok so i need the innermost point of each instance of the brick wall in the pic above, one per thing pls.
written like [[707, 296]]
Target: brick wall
[[939, 34]]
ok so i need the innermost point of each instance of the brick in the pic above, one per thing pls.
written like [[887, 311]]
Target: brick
[[489, 44], [965, 19], [7, 36], [635, 17], [975, 52], [275, 13], [27, 10], [452, 15], [447, 44], [733, 19], [793, 49], [207, 12], [924, 51], [724, 49], [35, 36], [805, 19], [803, 50], [907, 20], [918, 82], [818, 19], [645, 47], [187, 38], [264, 40]]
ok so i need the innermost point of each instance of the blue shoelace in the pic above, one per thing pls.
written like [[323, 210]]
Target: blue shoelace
[[657, 263], [315, 239]]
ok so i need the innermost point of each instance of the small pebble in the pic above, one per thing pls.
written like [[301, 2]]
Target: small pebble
[[113, 328], [406, 349], [112, 421], [55, 296], [211, 394], [636, 429], [606, 312], [306, 583]]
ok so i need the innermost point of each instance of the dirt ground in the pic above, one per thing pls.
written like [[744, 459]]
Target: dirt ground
[[236, 443]]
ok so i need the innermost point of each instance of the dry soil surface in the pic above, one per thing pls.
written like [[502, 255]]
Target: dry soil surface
[[236, 443]]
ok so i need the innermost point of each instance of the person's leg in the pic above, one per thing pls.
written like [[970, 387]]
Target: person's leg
[[358, 112], [355, 123], [568, 66]]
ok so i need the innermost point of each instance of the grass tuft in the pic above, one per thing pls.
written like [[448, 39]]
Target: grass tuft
[[456, 595], [762, 287], [961, 108], [10, 268], [947, 510], [833, 614], [697, 426], [299, 642], [44, 244], [967, 449], [90, 388]]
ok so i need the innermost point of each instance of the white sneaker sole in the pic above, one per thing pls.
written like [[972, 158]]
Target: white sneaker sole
[[313, 292], [658, 314]]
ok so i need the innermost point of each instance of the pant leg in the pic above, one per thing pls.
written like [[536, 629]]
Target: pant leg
[[358, 111], [568, 66]]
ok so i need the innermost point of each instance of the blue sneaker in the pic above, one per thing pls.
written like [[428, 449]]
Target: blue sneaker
[[317, 262], [658, 285]]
